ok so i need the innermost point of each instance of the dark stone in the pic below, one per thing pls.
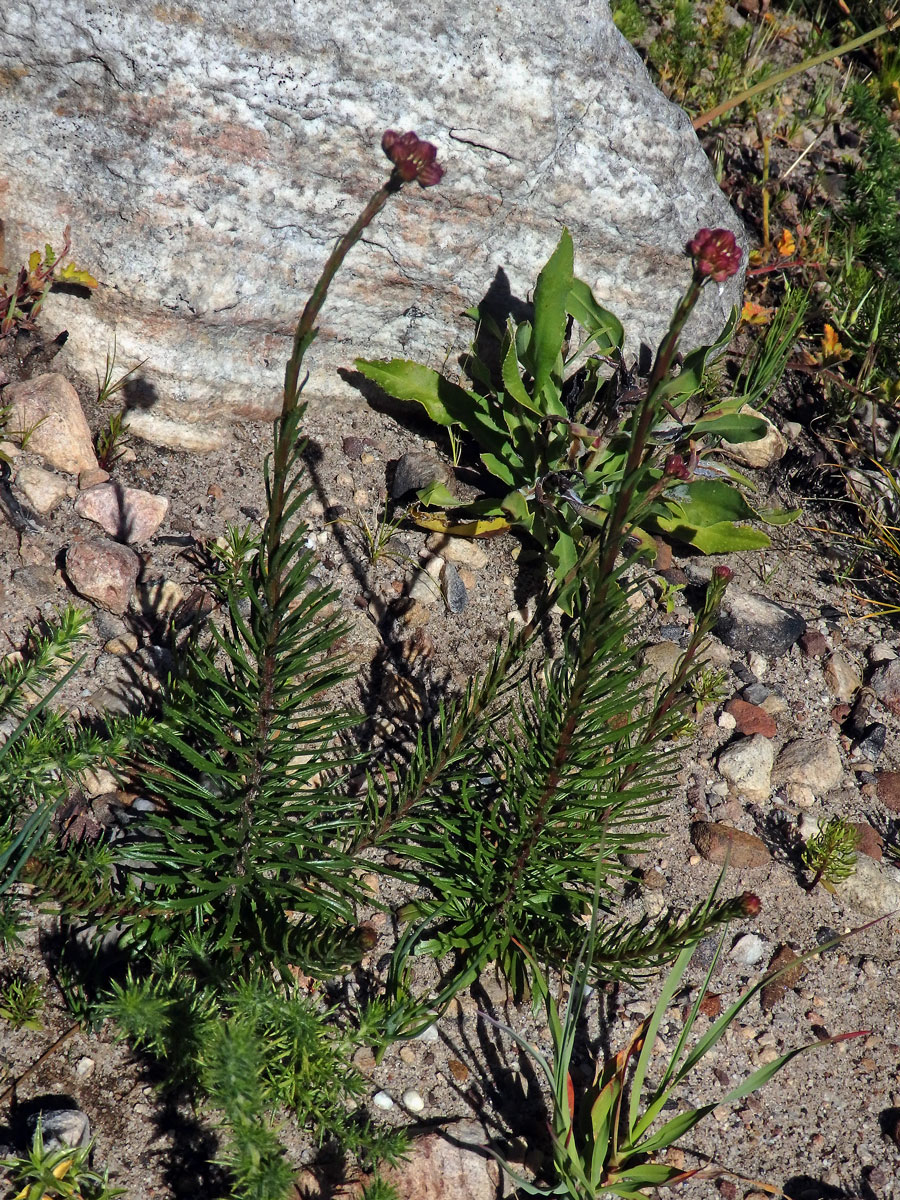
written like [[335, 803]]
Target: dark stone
[[705, 952], [871, 744], [743, 672], [825, 934], [885, 682], [755, 693], [418, 469], [672, 633], [454, 590], [749, 621], [674, 575]]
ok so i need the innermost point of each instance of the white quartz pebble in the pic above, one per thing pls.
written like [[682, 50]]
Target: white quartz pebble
[[412, 1101]]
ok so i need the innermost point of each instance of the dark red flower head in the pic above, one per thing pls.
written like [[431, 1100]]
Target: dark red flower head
[[413, 159], [677, 468], [750, 903], [725, 574], [716, 254]]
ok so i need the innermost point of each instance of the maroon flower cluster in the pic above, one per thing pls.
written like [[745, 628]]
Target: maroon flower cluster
[[716, 254], [413, 159], [750, 903], [677, 468]]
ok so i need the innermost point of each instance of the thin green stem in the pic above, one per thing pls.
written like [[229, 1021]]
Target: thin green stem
[[303, 337], [789, 72], [643, 422]]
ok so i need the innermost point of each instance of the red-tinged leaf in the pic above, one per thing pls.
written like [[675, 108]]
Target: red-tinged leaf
[[570, 1093]]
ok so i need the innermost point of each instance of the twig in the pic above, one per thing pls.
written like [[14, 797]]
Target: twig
[[39, 1062]]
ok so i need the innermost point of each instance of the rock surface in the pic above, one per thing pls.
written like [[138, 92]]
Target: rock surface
[[61, 1127], [103, 571], [48, 409], [872, 889], [811, 762], [207, 172], [42, 490], [127, 514], [747, 765]]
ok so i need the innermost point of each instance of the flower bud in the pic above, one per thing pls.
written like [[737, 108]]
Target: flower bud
[[413, 158], [716, 254], [750, 903], [723, 573], [676, 468]]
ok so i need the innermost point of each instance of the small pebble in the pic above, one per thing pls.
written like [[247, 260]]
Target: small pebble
[[749, 949], [881, 652], [814, 644], [121, 646], [383, 1101], [758, 664], [750, 718], [412, 1101], [841, 678], [458, 1070]]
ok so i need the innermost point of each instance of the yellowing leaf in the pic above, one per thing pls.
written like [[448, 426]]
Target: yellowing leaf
[[72, 274], [34, 260], [831, 346], [786, 246], [441, 522], [62, 1168], [756, 314]]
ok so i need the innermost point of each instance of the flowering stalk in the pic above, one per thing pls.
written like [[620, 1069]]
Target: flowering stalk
[[715, 255], [413, 160]]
